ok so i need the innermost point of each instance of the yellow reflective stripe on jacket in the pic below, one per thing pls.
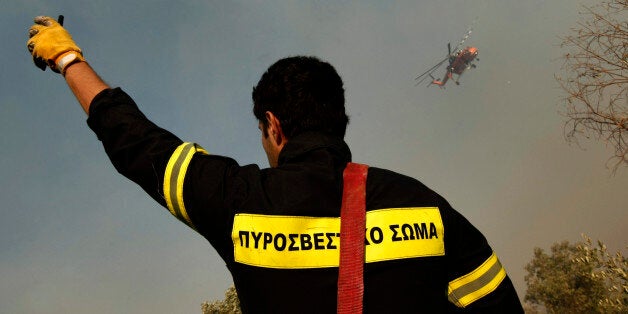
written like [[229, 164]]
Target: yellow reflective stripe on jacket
[[478, 283], [174, 177]]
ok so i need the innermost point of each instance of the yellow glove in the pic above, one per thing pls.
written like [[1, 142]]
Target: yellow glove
[[50, 44]]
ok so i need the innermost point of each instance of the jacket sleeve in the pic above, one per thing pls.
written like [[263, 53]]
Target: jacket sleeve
[[478, 282], [148, 155], [181, 176]]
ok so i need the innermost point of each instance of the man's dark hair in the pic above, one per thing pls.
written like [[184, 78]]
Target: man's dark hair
[[305, 94]]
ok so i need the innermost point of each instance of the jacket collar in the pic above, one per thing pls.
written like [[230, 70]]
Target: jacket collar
[[308, 142]]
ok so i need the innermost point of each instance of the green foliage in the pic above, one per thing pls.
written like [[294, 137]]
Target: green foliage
[[610, 269], [230, 305], [577, 278], [559, 284]]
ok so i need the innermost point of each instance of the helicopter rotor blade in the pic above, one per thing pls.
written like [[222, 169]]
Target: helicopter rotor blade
[[466, 36], [429, 72]]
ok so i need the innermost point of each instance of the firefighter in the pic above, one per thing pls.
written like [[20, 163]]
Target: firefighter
[[278, 229]]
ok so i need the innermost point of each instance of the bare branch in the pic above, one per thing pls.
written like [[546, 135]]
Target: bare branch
[[596, 78]]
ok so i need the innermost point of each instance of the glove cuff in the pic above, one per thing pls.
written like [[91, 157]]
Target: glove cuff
[[67, 58]]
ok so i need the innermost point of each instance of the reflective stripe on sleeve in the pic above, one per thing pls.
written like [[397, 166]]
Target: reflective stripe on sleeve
[[478, 283], [174, 177]]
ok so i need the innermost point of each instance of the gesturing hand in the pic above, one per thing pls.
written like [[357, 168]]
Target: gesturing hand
[[51, 45]]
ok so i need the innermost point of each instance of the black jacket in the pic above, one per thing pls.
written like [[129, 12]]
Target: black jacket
[[277, 229]]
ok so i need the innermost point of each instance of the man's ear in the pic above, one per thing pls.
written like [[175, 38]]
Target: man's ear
[[274, 129]]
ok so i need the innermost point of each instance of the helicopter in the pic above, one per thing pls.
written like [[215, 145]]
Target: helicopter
[[459, 61]]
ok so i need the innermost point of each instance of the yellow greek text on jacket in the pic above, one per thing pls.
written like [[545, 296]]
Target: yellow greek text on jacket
[[298, 242]]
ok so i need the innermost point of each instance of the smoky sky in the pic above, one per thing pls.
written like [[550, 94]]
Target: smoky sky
[[76, 236]]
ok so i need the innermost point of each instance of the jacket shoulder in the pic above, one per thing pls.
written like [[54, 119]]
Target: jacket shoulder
[[386, 188]]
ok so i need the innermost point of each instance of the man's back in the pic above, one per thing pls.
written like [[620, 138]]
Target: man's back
[[277, 229]]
